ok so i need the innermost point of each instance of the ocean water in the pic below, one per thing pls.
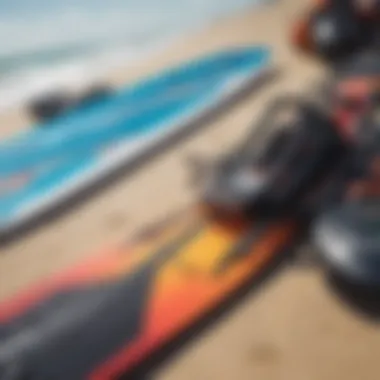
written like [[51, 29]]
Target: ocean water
[[44, 43]]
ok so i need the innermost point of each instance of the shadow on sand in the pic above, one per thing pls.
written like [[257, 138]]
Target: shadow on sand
[[363, 300]]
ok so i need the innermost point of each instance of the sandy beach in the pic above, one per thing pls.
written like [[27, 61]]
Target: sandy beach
[[294, 328]]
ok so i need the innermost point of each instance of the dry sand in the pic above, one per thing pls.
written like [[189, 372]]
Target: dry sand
[[294, 328]]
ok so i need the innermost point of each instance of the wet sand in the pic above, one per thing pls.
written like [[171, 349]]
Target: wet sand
[[294, 327]]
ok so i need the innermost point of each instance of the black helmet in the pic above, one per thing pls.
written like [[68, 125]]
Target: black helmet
[[337, 30]]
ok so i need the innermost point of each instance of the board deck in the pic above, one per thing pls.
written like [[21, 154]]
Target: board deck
[[105, 318], [46, 166]]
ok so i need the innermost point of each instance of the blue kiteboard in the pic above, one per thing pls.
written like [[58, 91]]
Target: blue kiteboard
[[44, 166]]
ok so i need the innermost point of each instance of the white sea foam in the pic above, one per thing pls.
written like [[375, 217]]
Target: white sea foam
[[73, 76], [70, 44]]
